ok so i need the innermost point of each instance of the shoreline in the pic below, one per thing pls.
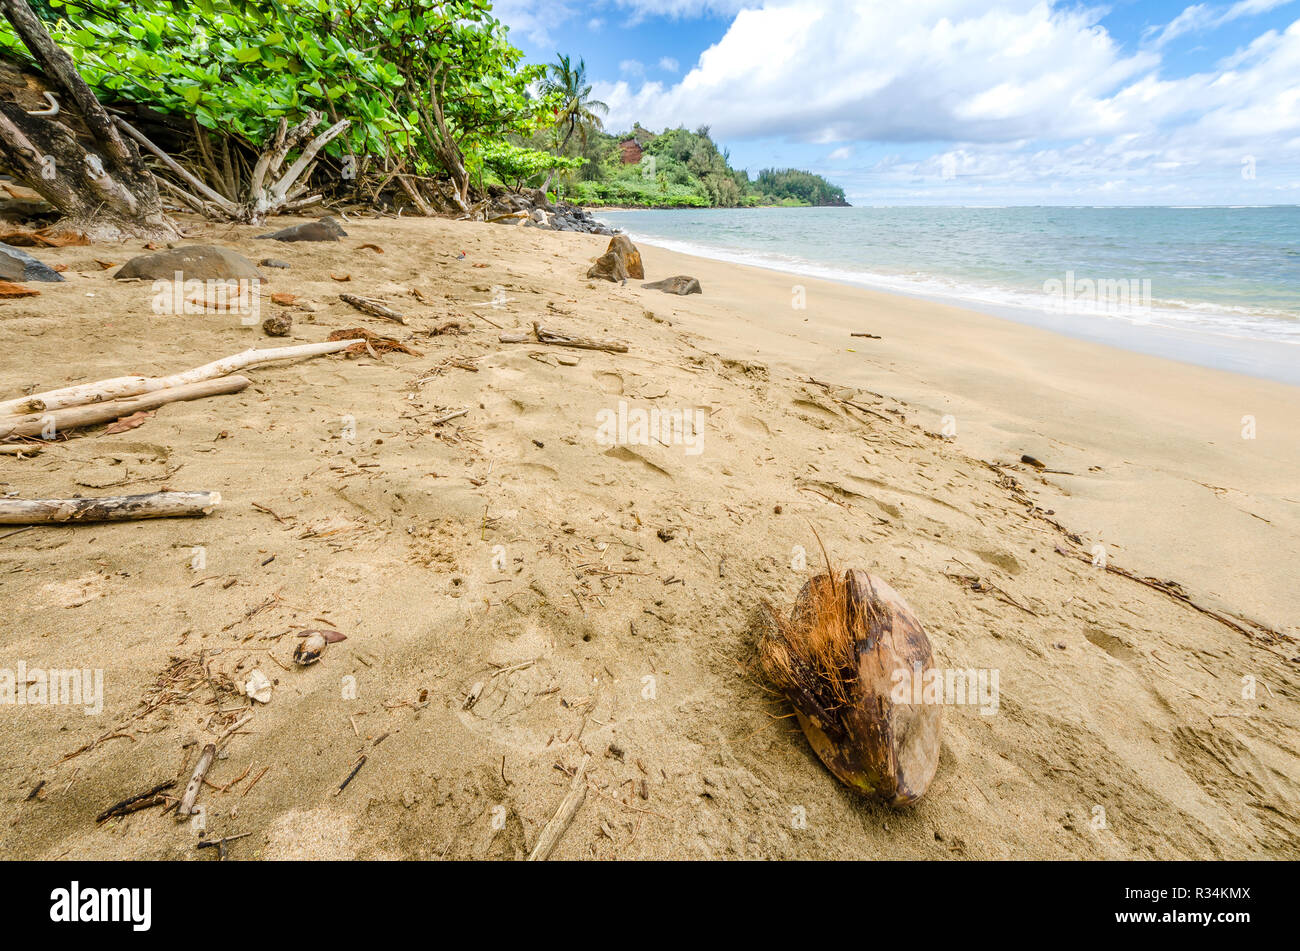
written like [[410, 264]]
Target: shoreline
[[1255, 356]]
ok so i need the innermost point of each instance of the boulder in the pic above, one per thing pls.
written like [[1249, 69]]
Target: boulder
[[537, 198], [622, 245], [679, 284], [609, 267], [198, 262], [16, 265], [326, 229]]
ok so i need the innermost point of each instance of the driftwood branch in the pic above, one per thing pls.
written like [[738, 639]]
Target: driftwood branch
[[144, 800], [196, 780], [123, 386], [372, 307], [118, 508], [554, 829], [216, 198], [555, 338], [74, 417]]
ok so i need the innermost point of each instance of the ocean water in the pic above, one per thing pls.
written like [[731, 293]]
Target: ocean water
[[1216, 286]]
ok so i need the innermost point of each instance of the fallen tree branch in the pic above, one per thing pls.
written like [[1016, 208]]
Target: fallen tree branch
[[560, 822], [372, 307], [74, 417], [555, 338], [226, 206], [117, 508], [123, 386]]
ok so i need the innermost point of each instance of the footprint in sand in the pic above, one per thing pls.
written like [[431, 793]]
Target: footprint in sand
[[528, 470], [1001, 559], [1111, 644], [623, 454]]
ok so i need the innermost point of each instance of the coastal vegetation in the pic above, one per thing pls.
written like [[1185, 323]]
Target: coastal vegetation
[[238, 110]]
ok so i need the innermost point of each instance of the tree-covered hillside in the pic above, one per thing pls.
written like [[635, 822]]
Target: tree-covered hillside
[[681, 169]]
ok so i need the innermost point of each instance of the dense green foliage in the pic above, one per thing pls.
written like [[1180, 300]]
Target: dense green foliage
[[790, 184], [432, 90], [413, 76], [517, 165], [682, 169]]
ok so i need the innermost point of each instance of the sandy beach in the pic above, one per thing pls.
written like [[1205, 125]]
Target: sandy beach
[[518, 593]]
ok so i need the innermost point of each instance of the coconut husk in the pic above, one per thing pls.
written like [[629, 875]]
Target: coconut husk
[[43, 238], [367, 342], [839, 658]]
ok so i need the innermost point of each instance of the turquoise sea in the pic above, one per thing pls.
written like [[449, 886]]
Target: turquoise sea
[[1217, 286]]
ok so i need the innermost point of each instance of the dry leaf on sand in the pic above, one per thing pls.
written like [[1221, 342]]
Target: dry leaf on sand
[[126, 422], [10, 289]]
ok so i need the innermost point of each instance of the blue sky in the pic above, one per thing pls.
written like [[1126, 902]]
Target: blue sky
[[959, 101]]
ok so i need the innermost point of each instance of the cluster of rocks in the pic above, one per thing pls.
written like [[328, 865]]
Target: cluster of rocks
[[532, 209], [622, 261]]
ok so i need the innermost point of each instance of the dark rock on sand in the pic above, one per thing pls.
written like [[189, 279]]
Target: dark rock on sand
[[679, 284], [200, 262], [326, 229], [18, 265], [272, 262]]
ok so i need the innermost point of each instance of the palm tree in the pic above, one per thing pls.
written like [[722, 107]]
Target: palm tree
[[577, 111]]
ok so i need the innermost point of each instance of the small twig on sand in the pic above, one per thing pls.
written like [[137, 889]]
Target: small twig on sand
[[196, 780], [355, 769], [449, 417], [134, 803], [220, 844], [569, 806]]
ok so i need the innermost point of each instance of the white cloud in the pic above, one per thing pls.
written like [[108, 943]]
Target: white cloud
[[1002, 83], [631, 67], [669, 65], [533, 19], [840, 154], [1201, 16]]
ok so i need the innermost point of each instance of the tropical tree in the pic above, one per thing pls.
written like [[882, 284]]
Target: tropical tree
[[106, 188], [577, 110]]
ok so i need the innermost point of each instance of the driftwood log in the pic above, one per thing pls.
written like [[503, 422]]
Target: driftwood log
[[123, 386], [73, 417], [372, 307], [120, 508], [555, 338], [852, 659]]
